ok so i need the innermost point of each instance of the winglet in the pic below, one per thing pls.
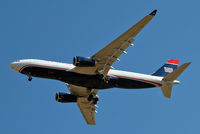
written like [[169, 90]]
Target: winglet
[[153, 13]]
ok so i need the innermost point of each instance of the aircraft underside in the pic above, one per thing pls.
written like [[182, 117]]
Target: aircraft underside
[[87, 75], [89, 81]]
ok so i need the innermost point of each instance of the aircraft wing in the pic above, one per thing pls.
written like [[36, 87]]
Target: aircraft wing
[[109, 54], [87, 108]]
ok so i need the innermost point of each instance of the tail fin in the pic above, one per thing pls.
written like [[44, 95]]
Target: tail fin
[[167, 68], [167, 87]]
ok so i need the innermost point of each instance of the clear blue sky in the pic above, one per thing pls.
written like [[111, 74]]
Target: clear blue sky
[[57, 30]]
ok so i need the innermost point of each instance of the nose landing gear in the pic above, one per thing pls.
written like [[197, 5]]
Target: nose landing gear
[[29, 77]]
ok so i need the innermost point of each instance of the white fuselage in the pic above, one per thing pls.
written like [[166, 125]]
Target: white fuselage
[[20, 65]]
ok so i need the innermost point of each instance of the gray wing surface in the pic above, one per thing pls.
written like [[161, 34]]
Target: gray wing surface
[[86, 107], [109, 54], [87, 110], [104, 60]]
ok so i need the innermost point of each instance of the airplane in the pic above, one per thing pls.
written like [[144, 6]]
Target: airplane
[[87, 75]]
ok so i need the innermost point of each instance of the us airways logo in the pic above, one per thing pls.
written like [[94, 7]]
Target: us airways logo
[[168, 69]]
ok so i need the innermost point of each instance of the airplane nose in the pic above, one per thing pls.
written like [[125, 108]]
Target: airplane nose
[[15, 66], [12, 65]]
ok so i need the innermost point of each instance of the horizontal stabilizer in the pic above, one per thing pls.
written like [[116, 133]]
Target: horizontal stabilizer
[[173, 75], [166, 90], [167, 87]]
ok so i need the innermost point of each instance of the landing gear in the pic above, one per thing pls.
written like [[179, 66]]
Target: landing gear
[[95, 102], [96, 99], [93, 99], [29, 77], [90, 97], [104, 78]]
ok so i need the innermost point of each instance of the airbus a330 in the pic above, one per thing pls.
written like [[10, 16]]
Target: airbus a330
[[86, 76]]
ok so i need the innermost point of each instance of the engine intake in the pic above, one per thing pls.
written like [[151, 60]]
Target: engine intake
[[83, 62], [65, 98]]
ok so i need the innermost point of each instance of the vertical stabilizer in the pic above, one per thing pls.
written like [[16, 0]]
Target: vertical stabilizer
[[167, 68]]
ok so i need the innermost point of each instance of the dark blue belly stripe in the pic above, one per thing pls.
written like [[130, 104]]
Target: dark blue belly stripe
[[90, 81]]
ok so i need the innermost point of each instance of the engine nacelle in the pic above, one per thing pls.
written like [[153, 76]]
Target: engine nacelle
[[83, 62], [65, 98]]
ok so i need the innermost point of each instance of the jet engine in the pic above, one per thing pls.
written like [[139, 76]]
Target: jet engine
[[83, 62], [65, 98]]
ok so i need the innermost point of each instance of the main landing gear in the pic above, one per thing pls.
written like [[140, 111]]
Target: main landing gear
[[104, 78], [95, 99]]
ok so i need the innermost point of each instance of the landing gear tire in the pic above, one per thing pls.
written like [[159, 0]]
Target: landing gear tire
[[96, 99], [30, 79], [29, 76], [95, 102], [90, 97], [93, 99]]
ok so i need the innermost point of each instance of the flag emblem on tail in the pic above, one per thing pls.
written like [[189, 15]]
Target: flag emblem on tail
[[167, 68]]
